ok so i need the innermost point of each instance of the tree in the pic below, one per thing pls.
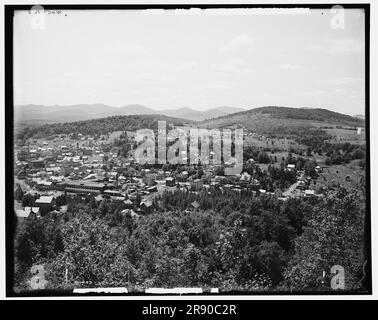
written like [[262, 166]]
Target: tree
[[334, 236], [272, 260], [309, 168], [219, 171], [28, 200], [61, 200], [262, 157], [103, 208], [18, 193]]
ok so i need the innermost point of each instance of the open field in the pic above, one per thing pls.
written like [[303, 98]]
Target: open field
[[345, 135], [272, 143], [348, 175]]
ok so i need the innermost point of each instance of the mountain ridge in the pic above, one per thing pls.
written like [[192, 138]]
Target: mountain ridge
[[69, 113], [303, 113], [271, 120], [282, 120]]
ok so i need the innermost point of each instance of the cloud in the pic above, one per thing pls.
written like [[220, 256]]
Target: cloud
[[294, 67], [309, 93], [342, 81], [217, 86], [346, 46], [314, 47], [188, 66], [240, 43], [337, 46], [126, 48], [235, 66], [152, 78]]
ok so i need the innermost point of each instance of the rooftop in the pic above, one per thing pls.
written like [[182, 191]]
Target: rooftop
[[86, 183], [45, 199]]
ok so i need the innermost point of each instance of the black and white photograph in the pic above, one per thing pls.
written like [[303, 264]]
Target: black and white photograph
[[187, 150]]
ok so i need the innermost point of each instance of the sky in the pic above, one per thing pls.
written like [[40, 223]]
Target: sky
[[201, 60]]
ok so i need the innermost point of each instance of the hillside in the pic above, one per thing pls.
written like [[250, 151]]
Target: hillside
[[99, 126], [275, 121], [37, 114], [282, 120]]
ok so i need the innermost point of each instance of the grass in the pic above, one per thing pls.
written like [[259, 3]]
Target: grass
[[345, 135]]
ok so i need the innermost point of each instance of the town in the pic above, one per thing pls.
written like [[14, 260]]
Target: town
[[52, 170]]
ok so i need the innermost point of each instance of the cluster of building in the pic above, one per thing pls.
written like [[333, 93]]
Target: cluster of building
[[52, 170]]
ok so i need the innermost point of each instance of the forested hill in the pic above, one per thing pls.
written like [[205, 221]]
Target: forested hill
[[316, 114], [282, 120], [100, 126]]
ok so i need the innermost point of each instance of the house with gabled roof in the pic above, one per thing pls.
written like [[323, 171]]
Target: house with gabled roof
[[146, 206], [25, 213]]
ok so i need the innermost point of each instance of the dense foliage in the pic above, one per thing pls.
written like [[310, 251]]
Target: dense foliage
[[342, 153], [316, 114], [233, 241]]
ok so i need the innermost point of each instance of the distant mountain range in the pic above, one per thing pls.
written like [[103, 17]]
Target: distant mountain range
[[50, 114]]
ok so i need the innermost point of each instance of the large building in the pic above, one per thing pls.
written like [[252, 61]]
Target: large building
[[85, 187]]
